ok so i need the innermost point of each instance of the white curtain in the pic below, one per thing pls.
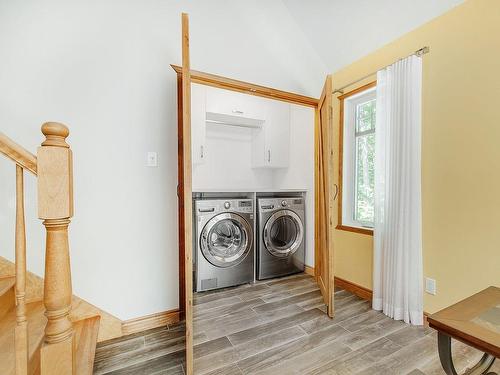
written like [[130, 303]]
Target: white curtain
[[397, 284]]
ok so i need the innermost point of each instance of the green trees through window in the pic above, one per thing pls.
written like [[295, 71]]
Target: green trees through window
[[364, 183], [358, 157]]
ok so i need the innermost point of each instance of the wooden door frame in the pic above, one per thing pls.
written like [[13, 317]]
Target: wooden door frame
[[237, 86], [213, 80], [209, 79], [185, 199]]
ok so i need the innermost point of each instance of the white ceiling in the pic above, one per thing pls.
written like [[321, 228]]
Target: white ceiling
[[342, 31]]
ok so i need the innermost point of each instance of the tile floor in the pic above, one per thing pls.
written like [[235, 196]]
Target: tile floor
[[279, 327]]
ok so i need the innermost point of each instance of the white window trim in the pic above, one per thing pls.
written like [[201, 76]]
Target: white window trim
[[349, 158]]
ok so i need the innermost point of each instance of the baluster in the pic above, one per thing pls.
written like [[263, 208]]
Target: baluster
[[21, 331], [55, 208]]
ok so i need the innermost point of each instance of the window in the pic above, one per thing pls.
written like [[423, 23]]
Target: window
[[358, 159]]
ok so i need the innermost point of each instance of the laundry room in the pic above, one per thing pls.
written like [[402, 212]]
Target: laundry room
[[253, 208], [252, 147]]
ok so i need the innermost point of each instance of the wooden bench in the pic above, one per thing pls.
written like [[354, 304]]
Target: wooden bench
[[476, 322]]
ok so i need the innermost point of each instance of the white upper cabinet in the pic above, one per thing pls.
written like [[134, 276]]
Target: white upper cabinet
[[269, 121], [271, 143], [233, 104], [198, 123]]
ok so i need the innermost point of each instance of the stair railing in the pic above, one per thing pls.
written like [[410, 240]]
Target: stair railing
[[21, 331], [54, 171], [24, 160]]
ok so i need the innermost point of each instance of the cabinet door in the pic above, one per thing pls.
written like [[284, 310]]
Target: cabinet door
[[271, 143], [198, 123], [233, 103], [278, 134], [259, 148]]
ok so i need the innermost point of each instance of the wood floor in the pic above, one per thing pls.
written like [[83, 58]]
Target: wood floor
[[279, 327]]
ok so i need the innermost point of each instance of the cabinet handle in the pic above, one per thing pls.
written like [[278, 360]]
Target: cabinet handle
[[202, 153], [269, 156], [238, 112]]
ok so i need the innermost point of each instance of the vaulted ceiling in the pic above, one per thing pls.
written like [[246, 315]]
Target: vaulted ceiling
[[342, 31], [293, 44]]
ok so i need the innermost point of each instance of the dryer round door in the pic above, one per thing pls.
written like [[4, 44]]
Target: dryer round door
[[226, 240], [283, 233]]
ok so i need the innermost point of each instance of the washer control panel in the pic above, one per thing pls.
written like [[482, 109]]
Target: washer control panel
[[245, 206]]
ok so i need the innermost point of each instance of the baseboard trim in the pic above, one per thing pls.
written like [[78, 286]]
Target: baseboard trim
[[364, 293], [356, 289], [309, 270], [144, 323]]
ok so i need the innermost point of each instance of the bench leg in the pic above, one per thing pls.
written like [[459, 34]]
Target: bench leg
[[444, 348]]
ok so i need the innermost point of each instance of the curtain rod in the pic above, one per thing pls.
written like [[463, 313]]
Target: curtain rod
[[419, 52]]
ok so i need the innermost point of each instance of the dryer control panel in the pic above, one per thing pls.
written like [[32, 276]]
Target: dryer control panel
[[223, 205], [272, 204]]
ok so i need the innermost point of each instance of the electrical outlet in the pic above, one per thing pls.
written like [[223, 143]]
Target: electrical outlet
[[430, 286], [152, 159]]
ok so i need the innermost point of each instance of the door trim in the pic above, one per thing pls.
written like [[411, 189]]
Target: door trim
[[209, 79], [232, 85], [187, 197], [184, 78]]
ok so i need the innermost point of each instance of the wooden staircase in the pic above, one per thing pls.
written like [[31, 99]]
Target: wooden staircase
[[39, 337]]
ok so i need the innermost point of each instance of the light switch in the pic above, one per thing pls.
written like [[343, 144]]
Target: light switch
[[152, 159]]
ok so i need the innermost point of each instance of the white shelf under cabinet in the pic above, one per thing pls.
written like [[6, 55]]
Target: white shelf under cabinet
[[229, 120]]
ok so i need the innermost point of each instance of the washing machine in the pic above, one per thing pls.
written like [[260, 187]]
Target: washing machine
[[280, 236], [224, 248]]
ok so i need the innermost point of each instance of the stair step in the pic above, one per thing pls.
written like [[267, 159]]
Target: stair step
[[36, 326], [86, 331], [7, 294], [6, 283]]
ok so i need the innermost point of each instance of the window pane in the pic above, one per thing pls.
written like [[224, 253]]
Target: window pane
[[365, 178], [365, 116]]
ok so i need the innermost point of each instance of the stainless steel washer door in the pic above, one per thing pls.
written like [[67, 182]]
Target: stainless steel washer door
[[283, 233], [226, 240]]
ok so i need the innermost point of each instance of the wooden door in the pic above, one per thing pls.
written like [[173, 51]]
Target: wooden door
[[185, 194], [324, 189]]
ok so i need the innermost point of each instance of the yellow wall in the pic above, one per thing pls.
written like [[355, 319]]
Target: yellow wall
[[460, 152]]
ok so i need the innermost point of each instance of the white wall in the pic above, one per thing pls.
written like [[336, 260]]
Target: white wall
[[102, 67], [227, 164]]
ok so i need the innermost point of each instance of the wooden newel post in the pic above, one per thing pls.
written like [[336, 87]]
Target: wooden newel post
[[55, 208]]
